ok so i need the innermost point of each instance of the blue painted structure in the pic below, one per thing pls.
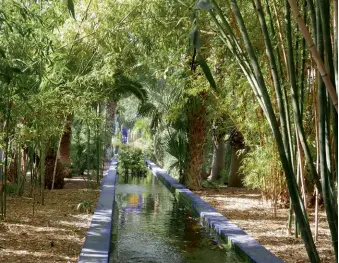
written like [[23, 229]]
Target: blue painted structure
[[96, 248], [239, 240]]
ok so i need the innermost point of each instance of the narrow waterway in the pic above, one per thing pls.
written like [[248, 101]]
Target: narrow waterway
[[151, 227]]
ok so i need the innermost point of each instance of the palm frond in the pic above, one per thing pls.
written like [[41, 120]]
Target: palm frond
[[125, 85]]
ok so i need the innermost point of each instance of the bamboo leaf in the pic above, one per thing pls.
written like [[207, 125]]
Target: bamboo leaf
[[195, 39], [70, 6], [206, 71], [204, 5]]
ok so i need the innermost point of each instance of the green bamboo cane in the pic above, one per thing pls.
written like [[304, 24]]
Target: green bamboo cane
[[329, 162], [291, 182], [311, 8], [241, 61], [283, 85], [42, 171], [275, 76], [4, 180], [88, 152], [98, 144], [315, 54], [335, 44], [281, 95], [231, 42], [325, 24], [322, 144], [19, 170], [295, 103]]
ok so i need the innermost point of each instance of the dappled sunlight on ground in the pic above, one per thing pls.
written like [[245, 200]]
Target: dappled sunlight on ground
[[246, 209], [57, 231]]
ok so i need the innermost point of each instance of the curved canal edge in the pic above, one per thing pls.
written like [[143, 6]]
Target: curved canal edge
[[97, 244], [236, 238]]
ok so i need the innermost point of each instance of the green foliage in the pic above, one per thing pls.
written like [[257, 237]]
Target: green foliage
[[70, 6], [131, 161], [85, 207], [83, 150], [11, 188], [257, 165]]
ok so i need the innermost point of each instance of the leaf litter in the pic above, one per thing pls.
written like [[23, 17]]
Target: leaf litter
[[247, 209], [57, 231]]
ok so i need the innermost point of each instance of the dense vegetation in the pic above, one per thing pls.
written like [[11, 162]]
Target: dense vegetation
[[237, 91]]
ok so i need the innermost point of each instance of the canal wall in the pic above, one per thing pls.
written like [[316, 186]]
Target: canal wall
[[237, 239], [96, 248]]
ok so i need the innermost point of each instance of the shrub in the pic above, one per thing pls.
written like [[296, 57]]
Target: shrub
[[131, 161]]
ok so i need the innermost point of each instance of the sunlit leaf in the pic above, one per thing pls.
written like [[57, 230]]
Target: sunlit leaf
[[194, 37], [207, 71], [70, 6]]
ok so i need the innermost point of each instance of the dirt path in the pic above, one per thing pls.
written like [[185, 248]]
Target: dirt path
[[57, 231], [246, 209]]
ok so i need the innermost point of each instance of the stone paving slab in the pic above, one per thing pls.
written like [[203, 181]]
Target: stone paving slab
[[246, 246], [96, 248]]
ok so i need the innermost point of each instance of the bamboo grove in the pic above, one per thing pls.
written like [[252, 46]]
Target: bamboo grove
[[288, 67], [244, 91]]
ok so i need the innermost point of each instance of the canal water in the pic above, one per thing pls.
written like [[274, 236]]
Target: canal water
[[150, 226]]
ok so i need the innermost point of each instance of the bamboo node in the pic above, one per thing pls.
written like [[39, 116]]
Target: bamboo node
[[311, 46]]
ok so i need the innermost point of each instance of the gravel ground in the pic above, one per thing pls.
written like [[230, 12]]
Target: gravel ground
[[247, 209], [55, 233]]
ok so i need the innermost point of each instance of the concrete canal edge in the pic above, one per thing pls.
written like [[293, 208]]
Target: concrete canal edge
[[237, 239], [96, 248]]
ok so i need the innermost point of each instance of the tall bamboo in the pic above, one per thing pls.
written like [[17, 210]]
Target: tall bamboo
[[295, 103], [19, 176], [4, 180], [57, 156], [315, 54], [322, 144], [291, 182], [290, 178], [88, 153], [275, 76], [335, 41], [98, 143], [324, 8], [42, 171]]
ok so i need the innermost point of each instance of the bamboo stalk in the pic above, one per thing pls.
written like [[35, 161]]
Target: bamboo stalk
[[241, 59], [315, 54], [4, 180], [283, 77], [291, 182], [322, 146], [335, 41], [42, 172], [58, 153], [98, 144], [297, 116], [280, 34], [19, 170], [275, 76]]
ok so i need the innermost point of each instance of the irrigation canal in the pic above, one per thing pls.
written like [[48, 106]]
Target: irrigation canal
[[150, 226]]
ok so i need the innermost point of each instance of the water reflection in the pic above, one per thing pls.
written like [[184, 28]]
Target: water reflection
[[151, 226]]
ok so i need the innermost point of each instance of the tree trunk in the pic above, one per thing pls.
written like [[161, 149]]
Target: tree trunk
[[235, 176], [110, 119], [237, 143], [218, 162], [196, 141], [65, 142]]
